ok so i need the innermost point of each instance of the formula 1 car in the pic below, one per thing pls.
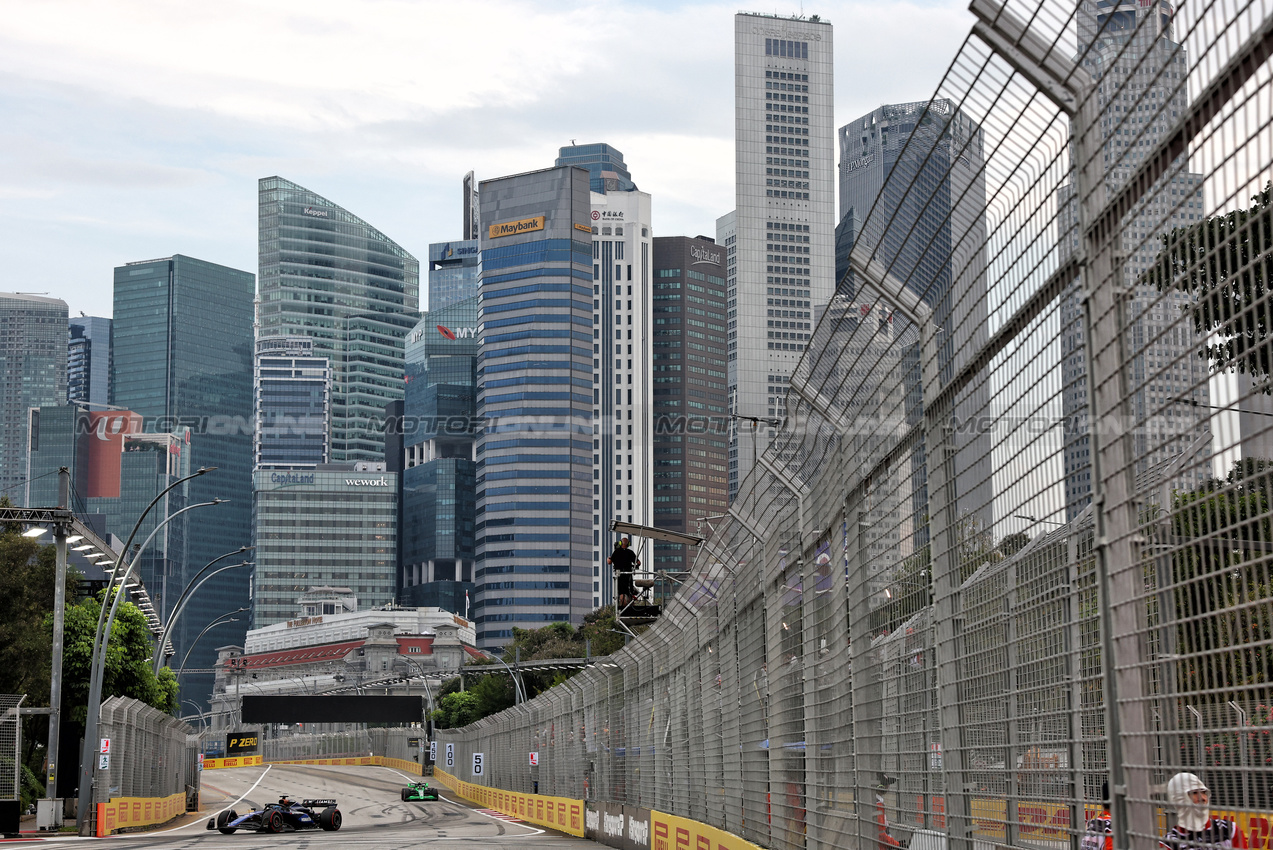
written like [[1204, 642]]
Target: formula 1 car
[[419, 791], [284, 816]]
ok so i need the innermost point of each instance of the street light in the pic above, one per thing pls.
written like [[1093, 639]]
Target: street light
[[518, 693], [194, 584], [98, 665], [224, 618], [427, 690]]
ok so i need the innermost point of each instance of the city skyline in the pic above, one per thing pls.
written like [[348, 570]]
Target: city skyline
[[109, 142]]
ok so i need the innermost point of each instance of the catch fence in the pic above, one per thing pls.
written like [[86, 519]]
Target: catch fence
[[1011, 543], [149, 754]]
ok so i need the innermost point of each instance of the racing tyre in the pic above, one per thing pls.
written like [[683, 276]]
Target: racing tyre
[[224, 818], [404, 795], [273, 821], [329, 819]]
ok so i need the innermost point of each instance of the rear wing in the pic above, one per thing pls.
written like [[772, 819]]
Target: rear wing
[[313, 804]]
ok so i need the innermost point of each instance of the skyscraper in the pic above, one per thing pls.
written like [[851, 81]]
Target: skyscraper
[[329, 275], [330, 526], [88, 361], [292, 392], [439, 468], [455, 270], [622, 269], [32, 374], [785, 214], [691, 440], [930, 235], [183, 358], [536, 493], [1127, 47]]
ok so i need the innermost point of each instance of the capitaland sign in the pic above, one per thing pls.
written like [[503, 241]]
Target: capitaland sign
[[314, 211], [702, 255], [291, 478], [512, 228]]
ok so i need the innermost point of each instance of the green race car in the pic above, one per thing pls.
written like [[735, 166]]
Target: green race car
[[417, 791]]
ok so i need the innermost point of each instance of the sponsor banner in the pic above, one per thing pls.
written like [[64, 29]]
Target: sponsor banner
[[231, 761], [636, 828], [124, 812], [668, 832], [592, 820], [241, 743], [513, 228], [560, 813]]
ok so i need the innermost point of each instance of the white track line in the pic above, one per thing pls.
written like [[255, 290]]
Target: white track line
[[214, 814]]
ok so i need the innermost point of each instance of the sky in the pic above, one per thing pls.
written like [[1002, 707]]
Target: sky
[[136, 129]]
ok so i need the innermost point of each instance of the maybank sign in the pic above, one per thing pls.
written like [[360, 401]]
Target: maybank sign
[[512, 228]]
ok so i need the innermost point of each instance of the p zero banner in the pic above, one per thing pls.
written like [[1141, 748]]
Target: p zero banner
[[238, 743]]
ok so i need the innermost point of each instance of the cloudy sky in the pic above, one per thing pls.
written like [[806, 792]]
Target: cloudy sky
[[135, 129]]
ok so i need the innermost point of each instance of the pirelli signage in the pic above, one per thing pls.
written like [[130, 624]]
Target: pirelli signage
[[512, 228]]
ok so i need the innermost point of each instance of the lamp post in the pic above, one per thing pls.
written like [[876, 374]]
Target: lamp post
[[203, 724], [194, 584], [98, 663], [223, 619], [427, 691], [518, 694]]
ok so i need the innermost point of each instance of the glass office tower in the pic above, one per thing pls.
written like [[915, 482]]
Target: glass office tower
[[183, 358], [455, 270], [328, 275], [88, 361], [332, 526], [293, 403], [32, 374], [535, 489], [691, 434], [439, 485]]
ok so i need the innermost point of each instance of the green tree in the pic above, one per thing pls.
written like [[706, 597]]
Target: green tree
[[1225, 264], [27, 574], [1222, 534], [455, 710], [128, 669]]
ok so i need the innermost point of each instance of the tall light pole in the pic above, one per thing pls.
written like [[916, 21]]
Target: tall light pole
[[194, 584], [219, 621], [98, 663], [427, 690]]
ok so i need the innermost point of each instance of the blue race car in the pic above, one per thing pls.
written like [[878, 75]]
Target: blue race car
[[284, 816]]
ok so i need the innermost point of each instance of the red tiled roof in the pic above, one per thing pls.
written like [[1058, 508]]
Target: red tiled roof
[[299, 655]]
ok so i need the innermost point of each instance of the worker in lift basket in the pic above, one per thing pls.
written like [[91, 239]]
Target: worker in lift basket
[[624, 561]]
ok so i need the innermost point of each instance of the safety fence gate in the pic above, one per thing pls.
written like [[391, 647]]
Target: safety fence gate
[[1011, 544]]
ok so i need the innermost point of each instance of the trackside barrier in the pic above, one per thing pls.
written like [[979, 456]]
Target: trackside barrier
[[356, 761], [125, 812], [559, 813], [232, 761], [999, 545]]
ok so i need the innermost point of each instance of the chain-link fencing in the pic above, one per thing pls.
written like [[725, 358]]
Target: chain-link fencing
[[10, 746], [1011, 543], [149, 754]]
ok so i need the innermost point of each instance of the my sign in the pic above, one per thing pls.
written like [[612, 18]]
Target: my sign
[[534, 759]]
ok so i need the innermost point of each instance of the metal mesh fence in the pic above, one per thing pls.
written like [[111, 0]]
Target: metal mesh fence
[[10, 746], [151, 754], [1012, 542]]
